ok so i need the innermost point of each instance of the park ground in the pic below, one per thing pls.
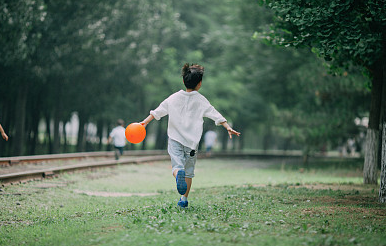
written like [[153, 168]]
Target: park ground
[[233, 202]]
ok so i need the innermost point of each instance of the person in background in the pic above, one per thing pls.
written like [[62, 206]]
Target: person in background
[[3, 134], [117, 136], [209, 139]]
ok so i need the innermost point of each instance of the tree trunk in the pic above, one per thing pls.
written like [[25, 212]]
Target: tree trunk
[[237, 141], [109, 146], [35, 132], [2, 117], [100, 134], [81, 136], [56, 143], [21, 103], [65, 145], [57, 117], [371, 157], [48, 132], [144, 142], [306, 156], [371, 151], [267, 137], [224, 140], [382, 187], [161, 140]]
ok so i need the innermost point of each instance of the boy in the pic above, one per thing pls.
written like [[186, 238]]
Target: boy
[[119, 138], [186, 110]]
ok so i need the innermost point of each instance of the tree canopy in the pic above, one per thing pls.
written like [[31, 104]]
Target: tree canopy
[[118, 59], [345, 34]]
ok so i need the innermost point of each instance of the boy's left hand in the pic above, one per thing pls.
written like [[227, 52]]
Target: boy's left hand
[[232, 132]]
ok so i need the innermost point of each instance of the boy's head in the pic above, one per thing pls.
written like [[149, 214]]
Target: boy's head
[[192, 75]]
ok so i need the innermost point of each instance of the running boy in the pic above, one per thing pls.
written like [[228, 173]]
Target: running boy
[[186, 110]]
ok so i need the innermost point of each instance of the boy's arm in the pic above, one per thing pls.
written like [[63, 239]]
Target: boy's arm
[[157, 113], [147, 120], [229, 129]]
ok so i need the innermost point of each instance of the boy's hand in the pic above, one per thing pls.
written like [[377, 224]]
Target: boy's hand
[[232, 132], [143, 123], [147, 120]]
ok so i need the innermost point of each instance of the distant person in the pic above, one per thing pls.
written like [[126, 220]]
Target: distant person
[[351, 146], [186, 110], [117, 135], [3, 134], [209, 140]]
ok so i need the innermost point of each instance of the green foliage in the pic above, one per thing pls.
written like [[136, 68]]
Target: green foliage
[[347, 35], [343, 32], [18, 32], [323, 112], [114, 59]]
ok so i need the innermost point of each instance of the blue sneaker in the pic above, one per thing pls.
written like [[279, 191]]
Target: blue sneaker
[[181, 183], [182, 204]]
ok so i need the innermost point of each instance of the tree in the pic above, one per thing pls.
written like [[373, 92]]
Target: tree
[[344, 34], [18, 42]]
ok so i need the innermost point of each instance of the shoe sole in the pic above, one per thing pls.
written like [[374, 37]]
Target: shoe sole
[[182, 206], [181, 183]]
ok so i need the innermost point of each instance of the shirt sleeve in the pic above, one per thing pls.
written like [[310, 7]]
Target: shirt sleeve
[[161, 110], [214, 115]]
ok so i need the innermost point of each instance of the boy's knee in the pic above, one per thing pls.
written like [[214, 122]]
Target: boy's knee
[[189, 172]]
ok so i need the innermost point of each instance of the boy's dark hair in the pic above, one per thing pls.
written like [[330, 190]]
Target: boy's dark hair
[[192, 75]]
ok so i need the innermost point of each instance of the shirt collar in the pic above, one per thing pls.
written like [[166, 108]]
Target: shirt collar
[[188, 93]]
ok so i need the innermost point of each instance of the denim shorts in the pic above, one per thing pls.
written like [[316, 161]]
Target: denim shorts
[[181, 159]]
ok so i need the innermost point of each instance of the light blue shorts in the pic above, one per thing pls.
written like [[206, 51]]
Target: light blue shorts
[[181, 159]]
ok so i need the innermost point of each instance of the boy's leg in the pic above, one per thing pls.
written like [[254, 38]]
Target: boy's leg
[[189, 184], [181, 182], [183, 202], [189, 168], [176, 152]]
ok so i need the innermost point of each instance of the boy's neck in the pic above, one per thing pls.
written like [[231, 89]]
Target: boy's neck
[[195, 89]]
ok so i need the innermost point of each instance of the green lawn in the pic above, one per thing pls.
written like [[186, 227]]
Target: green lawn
[[233, 202]]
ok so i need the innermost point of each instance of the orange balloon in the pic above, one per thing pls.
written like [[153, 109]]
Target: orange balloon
[[135, 133]]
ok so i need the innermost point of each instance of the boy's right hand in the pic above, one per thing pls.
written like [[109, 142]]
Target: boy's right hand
[[147, 120], [143, 123]]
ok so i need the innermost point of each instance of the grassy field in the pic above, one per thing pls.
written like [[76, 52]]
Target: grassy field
[[233, 202]]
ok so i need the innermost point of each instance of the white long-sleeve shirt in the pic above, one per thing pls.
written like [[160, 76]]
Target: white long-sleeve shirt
[[186, 111]]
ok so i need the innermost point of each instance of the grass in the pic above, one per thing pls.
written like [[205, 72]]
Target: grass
[[233, 202]]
